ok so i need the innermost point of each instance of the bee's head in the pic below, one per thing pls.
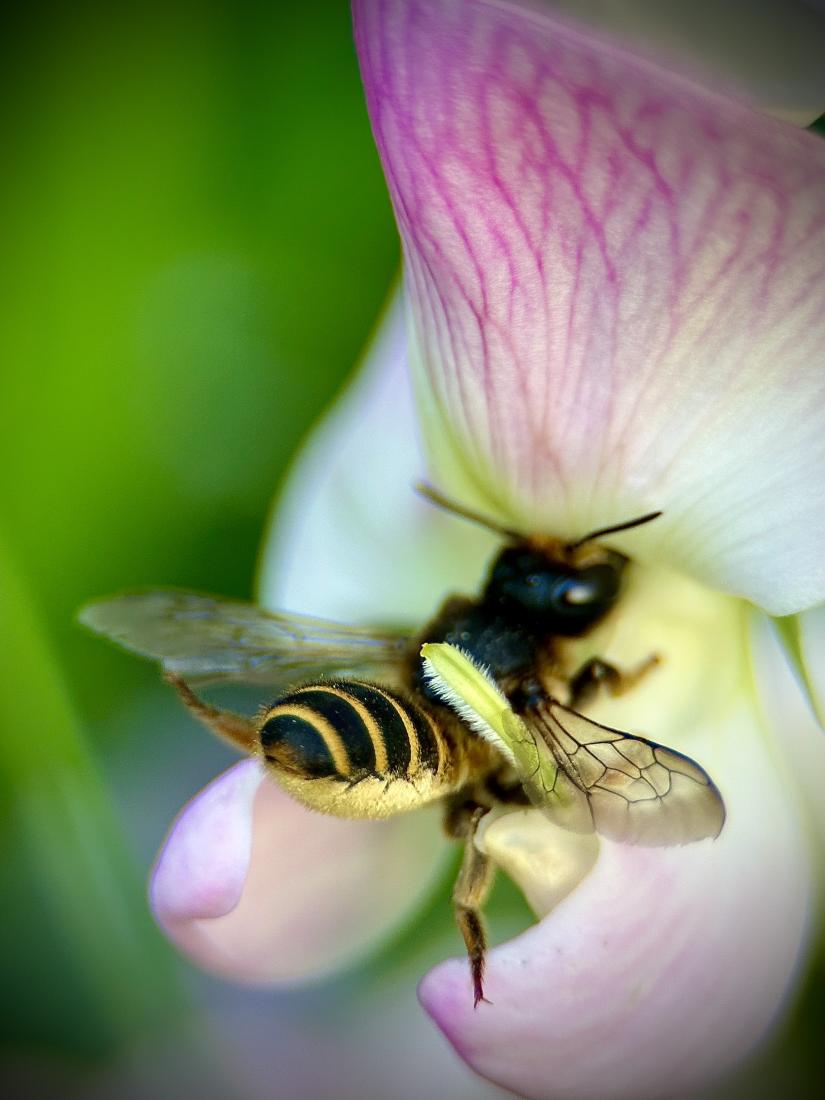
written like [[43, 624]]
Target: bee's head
[[561, 588], [562, 597]]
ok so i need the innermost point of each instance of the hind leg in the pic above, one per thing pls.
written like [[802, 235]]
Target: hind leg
[[231, 727], [471, 890]]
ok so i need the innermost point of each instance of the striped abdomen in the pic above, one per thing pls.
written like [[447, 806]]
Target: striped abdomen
[[350, 731]]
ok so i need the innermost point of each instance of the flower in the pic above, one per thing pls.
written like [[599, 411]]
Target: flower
[[614, 286]]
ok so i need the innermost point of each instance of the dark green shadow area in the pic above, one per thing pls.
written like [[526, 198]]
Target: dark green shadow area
[[87, 966]]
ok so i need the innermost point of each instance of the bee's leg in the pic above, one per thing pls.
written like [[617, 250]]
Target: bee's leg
[[596, 673], [471, 889], [239, 731]]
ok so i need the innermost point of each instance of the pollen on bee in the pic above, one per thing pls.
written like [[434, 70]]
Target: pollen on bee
[[469, 689]]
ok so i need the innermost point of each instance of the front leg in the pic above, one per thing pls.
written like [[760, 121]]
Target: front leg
[[471, 889], [596, 673]]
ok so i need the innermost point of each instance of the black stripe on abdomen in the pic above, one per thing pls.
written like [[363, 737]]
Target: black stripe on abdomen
[[390, 725], [350, 729], [431, 747], [344, 719], [294, 743]]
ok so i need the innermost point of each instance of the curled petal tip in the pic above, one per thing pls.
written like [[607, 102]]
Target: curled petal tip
[[656, 976], [201, 870], [256, 888]]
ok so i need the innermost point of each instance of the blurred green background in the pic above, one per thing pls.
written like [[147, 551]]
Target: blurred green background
[[197, 241]]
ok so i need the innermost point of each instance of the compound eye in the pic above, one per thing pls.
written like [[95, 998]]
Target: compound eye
[[597, 585], [560, 591], [539, 587]]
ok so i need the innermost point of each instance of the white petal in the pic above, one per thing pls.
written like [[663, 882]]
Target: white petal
[[350, 539], [546, 862]]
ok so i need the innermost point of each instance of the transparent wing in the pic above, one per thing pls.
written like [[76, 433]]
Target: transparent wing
[[208, 638], [624, 787]]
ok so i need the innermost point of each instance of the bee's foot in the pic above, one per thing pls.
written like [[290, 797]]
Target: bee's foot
[[596, 674], [477, 967]]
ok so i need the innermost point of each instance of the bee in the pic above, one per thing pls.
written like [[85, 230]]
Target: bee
[[375, 736]]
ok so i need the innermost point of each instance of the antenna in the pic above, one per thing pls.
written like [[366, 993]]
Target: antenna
[[602, 531], [435, 497]]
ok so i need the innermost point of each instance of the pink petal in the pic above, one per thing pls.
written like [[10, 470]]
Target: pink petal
[[665, 968], [617, 290], [256, 888]]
